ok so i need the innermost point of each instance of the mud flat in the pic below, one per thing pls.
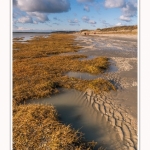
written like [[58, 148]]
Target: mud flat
[[109, 118]]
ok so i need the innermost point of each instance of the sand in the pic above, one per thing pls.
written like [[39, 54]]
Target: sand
[[119, 108], [109, 118]]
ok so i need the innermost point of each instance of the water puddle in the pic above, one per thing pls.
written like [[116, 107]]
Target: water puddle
[[84, 76], [88, 58], [74, 109], [112, 66], [88, 76], [21, 41]]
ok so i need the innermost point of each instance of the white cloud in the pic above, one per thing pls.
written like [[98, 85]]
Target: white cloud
[[44, 6], [26, 19], [124, 18], [86, 8], [105, 24], [33, 17], [114, 3], [92, 22], [75, 21], [82, 1], [129, 10], [85, 18], [39, 17], [119, 24]]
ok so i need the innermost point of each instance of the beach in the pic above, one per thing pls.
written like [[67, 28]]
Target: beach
[[109, 118]]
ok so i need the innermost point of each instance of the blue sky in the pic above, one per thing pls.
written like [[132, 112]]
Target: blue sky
[[47, 15]]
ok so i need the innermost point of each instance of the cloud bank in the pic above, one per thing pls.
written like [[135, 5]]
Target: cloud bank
[[87, 20], [73, 21], [43, 6], [26, 19], [129, 10], [114, 3], [83, 1], [124, 18], [38, 17], [119, 24], [86, 8]]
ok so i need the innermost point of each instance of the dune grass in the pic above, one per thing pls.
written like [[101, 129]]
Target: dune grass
[[118, 28], [127, 30]]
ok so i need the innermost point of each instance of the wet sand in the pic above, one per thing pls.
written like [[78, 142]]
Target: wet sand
[[110, 118]]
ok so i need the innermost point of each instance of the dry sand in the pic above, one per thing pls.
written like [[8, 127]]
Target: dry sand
[[109, 118]]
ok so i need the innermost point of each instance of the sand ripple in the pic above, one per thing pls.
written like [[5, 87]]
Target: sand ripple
[[123, 123]]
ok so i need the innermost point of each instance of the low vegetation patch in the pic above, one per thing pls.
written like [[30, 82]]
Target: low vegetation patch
[[40, 77], [41, 46], [37, 77], [118, 28], [113, 30], [38, 127]]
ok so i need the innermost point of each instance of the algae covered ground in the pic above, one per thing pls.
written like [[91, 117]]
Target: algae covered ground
[[39, 71], [38, 127]]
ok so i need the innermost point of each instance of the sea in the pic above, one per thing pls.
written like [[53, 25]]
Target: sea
[[29, 35]]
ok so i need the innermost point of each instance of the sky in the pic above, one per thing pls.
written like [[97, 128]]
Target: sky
[[72, 15]]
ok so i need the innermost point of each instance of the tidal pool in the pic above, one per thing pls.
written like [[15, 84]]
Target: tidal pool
[[74, 109]]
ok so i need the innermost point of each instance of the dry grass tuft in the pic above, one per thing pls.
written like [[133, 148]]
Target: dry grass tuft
[[38, 127], [43, 47]]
